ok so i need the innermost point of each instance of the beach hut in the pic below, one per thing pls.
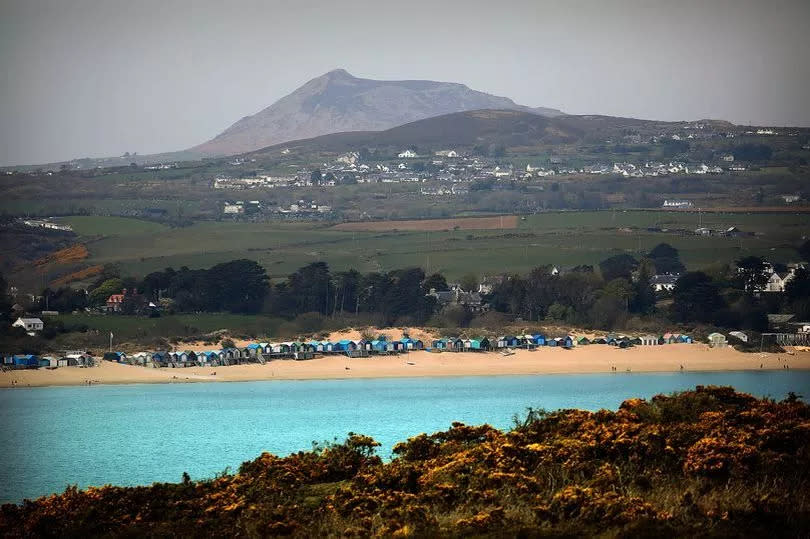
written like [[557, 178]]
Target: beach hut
[[507, 341], [624, 343], [440, 344], [686, 339], [583, 341], [567, 342], [116, 357], [670, 338], [47, 362], [599, 340], [26, 361], [265, 348], [717, 340], [345, 345], [161, 359], [649, 340], [552, 342], [407, 343], [485, 344], [539, 339]]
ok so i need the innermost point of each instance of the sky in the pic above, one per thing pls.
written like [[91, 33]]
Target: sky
[[94, 78]]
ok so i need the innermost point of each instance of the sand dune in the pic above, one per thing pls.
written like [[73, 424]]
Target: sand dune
[[585, 359]]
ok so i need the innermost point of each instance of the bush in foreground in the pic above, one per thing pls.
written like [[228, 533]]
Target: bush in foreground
[[708, 463]]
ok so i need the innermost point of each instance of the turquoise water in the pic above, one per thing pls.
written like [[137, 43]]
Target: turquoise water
[[139, 434]]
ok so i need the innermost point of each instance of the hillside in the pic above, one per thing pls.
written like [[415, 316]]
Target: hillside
[[509, 128], [704, 463], [339, 102]]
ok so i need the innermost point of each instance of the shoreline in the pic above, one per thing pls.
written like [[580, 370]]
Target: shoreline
[[593, 359]]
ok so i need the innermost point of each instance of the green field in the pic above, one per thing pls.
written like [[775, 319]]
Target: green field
[[138, 328], [558, 238]]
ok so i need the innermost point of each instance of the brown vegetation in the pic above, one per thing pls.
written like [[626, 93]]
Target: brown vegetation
[[708, 463], [79, 275], [73, 253]]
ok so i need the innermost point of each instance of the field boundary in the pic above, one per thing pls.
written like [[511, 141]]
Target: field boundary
[[500, 222]]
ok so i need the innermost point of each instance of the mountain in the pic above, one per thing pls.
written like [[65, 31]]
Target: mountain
[[339, 102], [464, 130]]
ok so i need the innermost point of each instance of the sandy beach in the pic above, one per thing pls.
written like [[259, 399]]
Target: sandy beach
[[585, 359]]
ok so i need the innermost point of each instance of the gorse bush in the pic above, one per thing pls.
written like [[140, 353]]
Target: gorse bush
[[708, 463]]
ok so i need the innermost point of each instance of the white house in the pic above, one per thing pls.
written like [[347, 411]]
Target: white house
[[233, 209], [30, 325], [407, 154], [677, 204], [661, 283]]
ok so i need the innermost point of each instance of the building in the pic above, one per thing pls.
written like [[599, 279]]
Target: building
[[115, 301], [407, 154], [661, 283], [717, 340], [677, 204], [231, 208], [30, 325]]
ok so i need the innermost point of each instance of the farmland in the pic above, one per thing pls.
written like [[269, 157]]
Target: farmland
[[559, 238], [425, 225]]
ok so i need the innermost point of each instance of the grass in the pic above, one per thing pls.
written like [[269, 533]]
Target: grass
[[130, 328], [559, 238]]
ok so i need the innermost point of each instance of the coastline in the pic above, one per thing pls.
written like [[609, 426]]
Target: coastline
[[593, 359]]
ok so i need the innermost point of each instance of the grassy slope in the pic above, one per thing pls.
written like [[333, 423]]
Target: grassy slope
[[705, 463], [567, 238]]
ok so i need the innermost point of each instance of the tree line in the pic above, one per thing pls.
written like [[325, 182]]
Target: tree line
[[605, 296]]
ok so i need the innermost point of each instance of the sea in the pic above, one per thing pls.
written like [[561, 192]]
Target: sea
[[138, 434]]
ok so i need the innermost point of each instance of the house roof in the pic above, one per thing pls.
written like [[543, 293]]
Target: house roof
[[780, 318], [30, 320]]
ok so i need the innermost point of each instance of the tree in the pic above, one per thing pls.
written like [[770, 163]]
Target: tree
[[99, 295], [435, 281], [643, 300], [696, 297], [666, 259], [5, 304], [618, 266], [469, 282], [608, 312], [316, 177], [238, 286], [797, 294], [752, 273], [804, 250]]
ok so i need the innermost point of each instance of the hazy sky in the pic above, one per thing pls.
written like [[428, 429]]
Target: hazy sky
[[85, 78]]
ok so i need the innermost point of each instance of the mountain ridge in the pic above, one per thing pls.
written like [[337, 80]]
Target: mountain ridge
[[338, 102]]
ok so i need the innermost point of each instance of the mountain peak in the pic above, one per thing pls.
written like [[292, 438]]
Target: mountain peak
[[338, 101], [338, 73]]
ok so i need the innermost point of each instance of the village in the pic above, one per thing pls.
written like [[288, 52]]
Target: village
[[453, 168]]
